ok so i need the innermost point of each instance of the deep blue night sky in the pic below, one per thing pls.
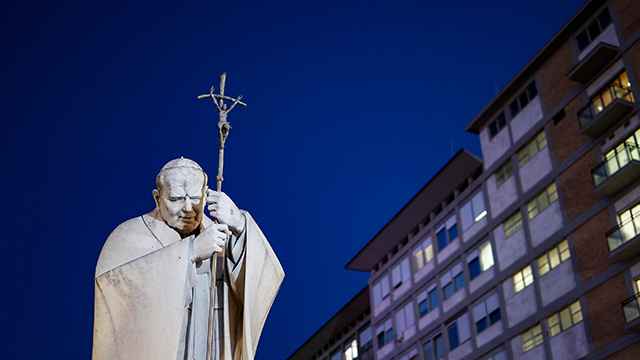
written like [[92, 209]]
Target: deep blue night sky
[[353, 106]]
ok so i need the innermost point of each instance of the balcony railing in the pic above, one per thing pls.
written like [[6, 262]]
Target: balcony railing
[[623, 233], [613, 164], [613, 102], [631, 308]]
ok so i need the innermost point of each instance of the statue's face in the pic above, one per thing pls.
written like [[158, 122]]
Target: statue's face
[[181, 199]]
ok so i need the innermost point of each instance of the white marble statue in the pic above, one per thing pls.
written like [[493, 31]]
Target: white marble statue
[[152, 282]]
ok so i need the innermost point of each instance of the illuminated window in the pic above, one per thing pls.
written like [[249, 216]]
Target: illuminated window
[[381, 290], [531, 338], [504, 173], [423, 253], [447, 232], [384, 333], [619, 88], [594, 29], [401, 273], [480, 260], [539, 203], [351, 352], [496, 125], [473, 210], [553, 257], [512, 224], [427, 300], [522, 279], [487, 313], [564, 319], [523, 99], [452, 281], [532, 148]]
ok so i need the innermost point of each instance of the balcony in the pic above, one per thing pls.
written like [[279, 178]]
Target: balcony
[[604, 110], [618, 171], [596, 60], [632, 313], [624, 242]]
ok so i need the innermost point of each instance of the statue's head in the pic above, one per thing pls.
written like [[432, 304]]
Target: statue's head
[[180, 195]]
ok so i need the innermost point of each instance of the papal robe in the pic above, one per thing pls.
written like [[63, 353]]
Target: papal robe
[[152, 300]]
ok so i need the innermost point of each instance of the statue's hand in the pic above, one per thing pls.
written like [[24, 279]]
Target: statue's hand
[[210, 241], [225, 211]]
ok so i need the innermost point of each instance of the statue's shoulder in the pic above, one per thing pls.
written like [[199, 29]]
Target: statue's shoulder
[[129, 240]]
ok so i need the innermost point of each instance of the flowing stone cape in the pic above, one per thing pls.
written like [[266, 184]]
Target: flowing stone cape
[[143, 288]]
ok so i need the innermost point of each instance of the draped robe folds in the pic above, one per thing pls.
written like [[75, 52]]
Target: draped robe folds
[[149, 295]]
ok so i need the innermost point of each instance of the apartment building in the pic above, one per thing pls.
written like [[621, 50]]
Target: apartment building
[[533, 251]]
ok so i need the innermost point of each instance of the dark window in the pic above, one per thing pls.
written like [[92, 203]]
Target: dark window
[[594, 29], [448, 290], [495, 316], [424, 307], [453, 233], [381, 340], [442, 239], [389, 334], [459, 281], [454, 340], [474, 268], [439, 344], [482, 324], [496, 125], [433, 298], [429, 354], [523, 99]]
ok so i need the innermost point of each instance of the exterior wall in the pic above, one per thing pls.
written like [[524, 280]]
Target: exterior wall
[[535, 169], [489, 334], [605, 312], [545, 224], [605, 78], [510, 249], [628, 12], [629, 353], [571, 344], [577, 186], [592, 250], [519, 305], [557, 282], [537, 353], [634, 53], [461, 351], [500, 198], [553, 78], [526, 119], [565, 135], [494, 148]]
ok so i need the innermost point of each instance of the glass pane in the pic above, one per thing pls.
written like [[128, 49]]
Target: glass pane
[[459, 281], [518, 283], [554, 257], [442, 239], [582, 40], [454, 340], [453, 233], [523, 156], [533, 148], [428, 351], [554, 325], [433, 298], [527, 275], [424, 307], [543, 201], [542, 140], [532, 209], [495, 316], [543, 265], [439, 347], [486, 257], [418, 259], [576, 313], [474, 268], [482, 324], [604, 18], [565, 319], [448, 290], [563, 247], [428, 253]]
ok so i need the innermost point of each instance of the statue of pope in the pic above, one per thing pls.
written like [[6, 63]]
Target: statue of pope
[[153, 278]]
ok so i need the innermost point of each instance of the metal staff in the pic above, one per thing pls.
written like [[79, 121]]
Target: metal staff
[[223, 133]]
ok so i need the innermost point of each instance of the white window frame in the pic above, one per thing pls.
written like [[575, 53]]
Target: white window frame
[[484, 309], [381, 290], [473, 210], [522, 279], [401, 273]]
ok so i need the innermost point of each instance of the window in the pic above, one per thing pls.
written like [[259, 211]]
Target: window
[[564, 319], [487, 313], [593, 30], [365, 339], [401, 273], [458, 331], [617, 158], [351, 352], [381, 290], [423, 253], [434, 348], [532, 148], [531, 338], [523, 99], [542, 201], [452, 280], [405, 318], [336, 356], [629, 223], [447, 233], [427, 300], [384, 333], [512, 224], [473, 210], [496, 125], [553, 257], [522, 279], [619, 88], [504, 173], [480, 260]]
